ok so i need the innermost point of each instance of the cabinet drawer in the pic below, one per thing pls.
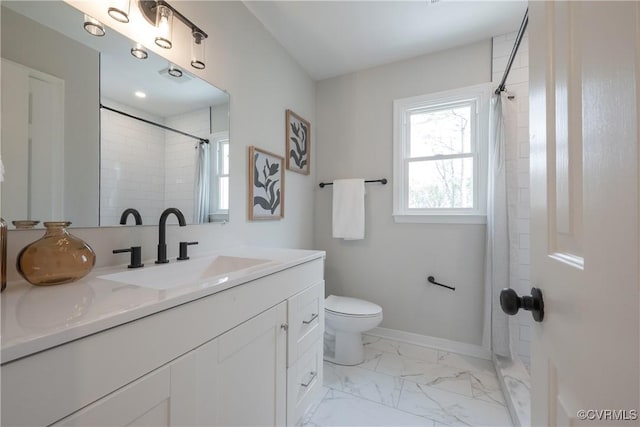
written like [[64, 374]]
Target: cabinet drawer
[[304, 383], [306, 320]]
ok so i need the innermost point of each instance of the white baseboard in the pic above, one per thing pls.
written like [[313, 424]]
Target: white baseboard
[[433, 342]]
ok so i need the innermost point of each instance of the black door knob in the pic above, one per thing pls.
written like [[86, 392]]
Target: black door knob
[[511, 303]]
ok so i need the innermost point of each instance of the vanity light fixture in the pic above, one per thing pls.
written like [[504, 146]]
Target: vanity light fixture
[[197, 50], [119, 10], [164, 26], [93, 26], [174, 71], [160, 14], [139, 51]]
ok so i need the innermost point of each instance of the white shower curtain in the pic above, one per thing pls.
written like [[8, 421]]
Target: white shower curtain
[[501, 203], [202, 184]]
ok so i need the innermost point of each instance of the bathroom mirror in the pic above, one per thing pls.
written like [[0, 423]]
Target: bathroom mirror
[[88, 130]]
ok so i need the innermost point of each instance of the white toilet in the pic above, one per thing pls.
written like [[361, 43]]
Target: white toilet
[[345, 320]]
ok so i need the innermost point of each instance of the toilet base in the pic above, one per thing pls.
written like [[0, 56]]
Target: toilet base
[[344, 348]]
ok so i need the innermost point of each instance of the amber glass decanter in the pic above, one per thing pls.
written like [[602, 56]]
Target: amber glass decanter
[[56, 258]]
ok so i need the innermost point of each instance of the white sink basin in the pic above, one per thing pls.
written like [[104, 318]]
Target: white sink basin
[[181, 273]]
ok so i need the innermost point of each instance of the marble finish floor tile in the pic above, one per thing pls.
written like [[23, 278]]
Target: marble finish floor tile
[[363, 383], [486, 386], [343, 409], [451, 408], [467, 363], [400, 348], [313, 407], [401, 384], [371, 358], [432, 374]]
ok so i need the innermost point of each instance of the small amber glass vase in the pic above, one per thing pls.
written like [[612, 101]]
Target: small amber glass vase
[[56, 258]]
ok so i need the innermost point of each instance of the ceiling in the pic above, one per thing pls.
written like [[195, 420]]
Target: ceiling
[[330, 38]]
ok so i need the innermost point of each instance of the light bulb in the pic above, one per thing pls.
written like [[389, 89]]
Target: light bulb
[[197, 50], [164, 24]]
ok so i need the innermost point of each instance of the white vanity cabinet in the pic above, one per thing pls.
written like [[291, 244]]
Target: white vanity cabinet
[[241, 375], [222, 360], [236, 379], [156, 399], [306, 332]]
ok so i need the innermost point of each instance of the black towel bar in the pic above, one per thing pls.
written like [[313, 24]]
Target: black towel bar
[[382, 181]]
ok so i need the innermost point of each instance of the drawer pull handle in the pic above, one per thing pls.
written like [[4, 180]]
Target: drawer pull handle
[[314, 316], [313, 377]]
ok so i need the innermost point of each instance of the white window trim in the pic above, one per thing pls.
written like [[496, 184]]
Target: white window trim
[[401, 108], [215, 139]]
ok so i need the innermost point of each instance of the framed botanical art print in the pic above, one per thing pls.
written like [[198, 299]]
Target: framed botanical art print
[[266, 185], [298, 143]]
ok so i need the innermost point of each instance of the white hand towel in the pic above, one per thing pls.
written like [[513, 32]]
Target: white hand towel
[[348, 209]]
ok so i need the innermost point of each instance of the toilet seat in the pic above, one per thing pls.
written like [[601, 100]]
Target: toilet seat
[[351, 307]]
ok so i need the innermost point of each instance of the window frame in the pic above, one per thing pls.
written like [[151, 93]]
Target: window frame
[[217, 139], [402, 108]]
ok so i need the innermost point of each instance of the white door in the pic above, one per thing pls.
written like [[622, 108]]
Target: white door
[[584, 94], [32, 113]]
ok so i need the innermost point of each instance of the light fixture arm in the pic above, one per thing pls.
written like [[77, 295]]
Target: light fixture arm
[[148, 9]]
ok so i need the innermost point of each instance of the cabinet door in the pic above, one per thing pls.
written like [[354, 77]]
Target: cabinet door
[[144, 402], [159, 398], [242, 373]]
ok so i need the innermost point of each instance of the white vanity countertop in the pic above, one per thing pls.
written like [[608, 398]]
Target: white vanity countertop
[[36, 318]]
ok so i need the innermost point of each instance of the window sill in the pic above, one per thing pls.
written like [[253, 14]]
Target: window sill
[[440, 219]]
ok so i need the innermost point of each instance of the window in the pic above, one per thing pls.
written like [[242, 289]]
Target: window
[[220, 177], [440, 156]]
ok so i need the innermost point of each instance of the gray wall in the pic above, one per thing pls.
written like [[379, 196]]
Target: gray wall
[[31, 44], [390, 266], [220, 118]]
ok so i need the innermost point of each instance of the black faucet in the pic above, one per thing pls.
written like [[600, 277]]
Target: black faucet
[[134, 212], [162, 232]]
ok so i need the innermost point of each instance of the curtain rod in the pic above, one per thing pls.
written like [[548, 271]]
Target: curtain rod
[[523, 27], [201, 140]]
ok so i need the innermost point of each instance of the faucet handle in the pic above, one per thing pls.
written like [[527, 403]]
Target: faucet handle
[[136, 256], [183, 250]]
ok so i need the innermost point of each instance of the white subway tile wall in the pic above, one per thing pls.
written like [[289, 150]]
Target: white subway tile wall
[[145, 167], [181, 159], [132, 157], [518, 85]]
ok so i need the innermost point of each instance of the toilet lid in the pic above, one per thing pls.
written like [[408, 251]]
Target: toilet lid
[[351, 306]]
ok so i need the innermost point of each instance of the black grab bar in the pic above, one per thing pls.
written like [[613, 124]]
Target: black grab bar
[[432, 279]]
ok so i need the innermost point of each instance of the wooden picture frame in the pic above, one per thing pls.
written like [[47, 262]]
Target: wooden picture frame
[[298, 143], [266, 185]]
